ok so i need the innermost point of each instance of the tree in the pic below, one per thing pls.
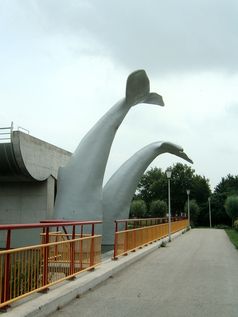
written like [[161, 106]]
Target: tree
[[158, 208], [227, 187], [194, 211], [154, 186], [138, 208], [231, 207], [219, 215]]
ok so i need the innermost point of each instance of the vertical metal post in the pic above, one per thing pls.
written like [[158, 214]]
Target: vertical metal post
[[11, 131], [72, 252], [92, 247], [210, 214], [7, 269], [93, 229], [188, 192], [45, 258], [115, 241], [169, 203], [126, 239], [81, 247]]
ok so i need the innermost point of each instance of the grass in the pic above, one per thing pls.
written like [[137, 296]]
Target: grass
[[233, 235]]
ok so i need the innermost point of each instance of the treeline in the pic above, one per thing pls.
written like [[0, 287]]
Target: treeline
[[151, 197]]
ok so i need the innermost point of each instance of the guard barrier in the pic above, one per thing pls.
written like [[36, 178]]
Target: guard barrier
[[130, 239], [61, 256]]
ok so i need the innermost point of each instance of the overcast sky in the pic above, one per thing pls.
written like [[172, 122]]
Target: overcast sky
[[64, 63]]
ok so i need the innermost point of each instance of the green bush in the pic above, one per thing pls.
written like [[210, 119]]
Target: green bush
[[194, 212], [236, 225], [231, 206], [221, 226], [158, 208], [138, 208]]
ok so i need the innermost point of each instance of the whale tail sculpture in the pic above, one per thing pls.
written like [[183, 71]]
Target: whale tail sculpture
[[79, 192], [138, 90], [120, 188]]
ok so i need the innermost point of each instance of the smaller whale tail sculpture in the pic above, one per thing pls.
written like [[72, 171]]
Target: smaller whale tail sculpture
[[168, 147], [120, 188], [138, 90]]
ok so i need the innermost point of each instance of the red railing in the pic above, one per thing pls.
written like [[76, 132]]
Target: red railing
[[58, 256]]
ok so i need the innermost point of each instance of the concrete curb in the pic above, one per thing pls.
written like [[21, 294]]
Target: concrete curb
[[45, 304]]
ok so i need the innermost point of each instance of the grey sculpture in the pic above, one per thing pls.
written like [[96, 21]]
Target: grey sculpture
[[79, 193], [119, 190]]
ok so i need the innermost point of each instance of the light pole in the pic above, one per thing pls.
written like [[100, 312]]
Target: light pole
[[168, 174], [188, 193], [210, 214]]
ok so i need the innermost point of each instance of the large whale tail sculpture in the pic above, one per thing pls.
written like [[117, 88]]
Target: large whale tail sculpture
[[79, 188], [120, 188], [138, 90]]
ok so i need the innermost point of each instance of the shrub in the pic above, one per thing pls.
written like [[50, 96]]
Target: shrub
[[236, 225], [194, 211], [138, 208], [231, 206], [221, 226], [158, 208]]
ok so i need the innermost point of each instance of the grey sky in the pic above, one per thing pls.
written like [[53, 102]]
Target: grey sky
[[64, 63], [162, 35]]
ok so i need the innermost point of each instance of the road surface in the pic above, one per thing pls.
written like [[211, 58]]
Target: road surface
[[195, 275]]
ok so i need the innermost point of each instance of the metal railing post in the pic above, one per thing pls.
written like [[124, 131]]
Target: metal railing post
[[45, 257], [81, 248], [7, 270], [72, 252], [92, 247], [115, 241]]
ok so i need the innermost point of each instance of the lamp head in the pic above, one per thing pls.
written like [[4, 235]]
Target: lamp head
[[168, 174]]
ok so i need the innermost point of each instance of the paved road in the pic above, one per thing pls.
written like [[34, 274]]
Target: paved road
[[196, 275]]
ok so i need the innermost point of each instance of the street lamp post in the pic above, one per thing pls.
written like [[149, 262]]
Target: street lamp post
[[188, 193], [168, 174], [210, 214]]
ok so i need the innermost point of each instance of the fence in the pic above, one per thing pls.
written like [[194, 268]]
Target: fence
[[139, 232], [6, 134], [67, 251], [61, 256]]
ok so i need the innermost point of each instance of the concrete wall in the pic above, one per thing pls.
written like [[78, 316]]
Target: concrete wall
[[25, 202], [28, 176], [27, 158]]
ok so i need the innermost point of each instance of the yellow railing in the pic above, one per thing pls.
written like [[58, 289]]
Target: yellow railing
[[24, 271], [130, 240]]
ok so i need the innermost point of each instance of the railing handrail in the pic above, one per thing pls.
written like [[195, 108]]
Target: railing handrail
[[47, 224], [145, 219], [137, 219], [2, 134], [35, 268], [44, 245], [137, 229], [131, 239]]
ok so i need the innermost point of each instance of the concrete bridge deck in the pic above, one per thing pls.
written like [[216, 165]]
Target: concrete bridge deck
[[196, 275]]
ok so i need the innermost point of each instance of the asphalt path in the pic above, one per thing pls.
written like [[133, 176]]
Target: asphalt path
[[194, 275]]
